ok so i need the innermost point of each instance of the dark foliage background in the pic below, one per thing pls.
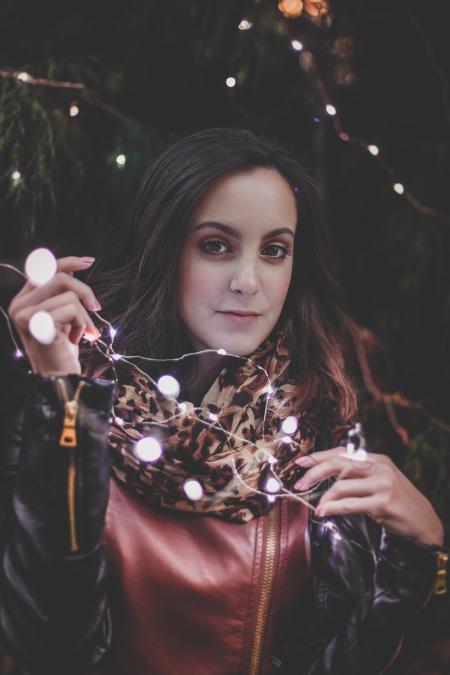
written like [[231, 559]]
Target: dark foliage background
[[162, 67]]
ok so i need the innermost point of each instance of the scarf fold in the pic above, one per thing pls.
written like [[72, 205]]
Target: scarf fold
[[231, 457]]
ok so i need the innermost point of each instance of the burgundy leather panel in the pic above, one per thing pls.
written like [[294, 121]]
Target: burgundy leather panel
[[185, 587]]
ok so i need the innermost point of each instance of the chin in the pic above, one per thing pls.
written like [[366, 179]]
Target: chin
[[241, 345]]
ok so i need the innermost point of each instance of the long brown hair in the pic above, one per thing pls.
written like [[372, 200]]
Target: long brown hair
[[140, 295]]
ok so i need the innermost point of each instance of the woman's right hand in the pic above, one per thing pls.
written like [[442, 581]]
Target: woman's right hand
[[65, 299]]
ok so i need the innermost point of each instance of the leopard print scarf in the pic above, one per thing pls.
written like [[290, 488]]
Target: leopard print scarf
[[231, 457]]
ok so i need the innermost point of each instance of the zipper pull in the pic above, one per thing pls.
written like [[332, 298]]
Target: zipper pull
[[440, 586], [68, 438]]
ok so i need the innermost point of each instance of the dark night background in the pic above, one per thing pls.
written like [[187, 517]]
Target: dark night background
[[162, 67]]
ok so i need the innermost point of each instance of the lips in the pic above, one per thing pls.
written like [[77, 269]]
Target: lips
[[240, 313]]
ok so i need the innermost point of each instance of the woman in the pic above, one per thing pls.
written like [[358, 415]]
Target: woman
[[210, 562]]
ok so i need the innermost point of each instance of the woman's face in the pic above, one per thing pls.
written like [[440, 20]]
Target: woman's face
[[238, 257]]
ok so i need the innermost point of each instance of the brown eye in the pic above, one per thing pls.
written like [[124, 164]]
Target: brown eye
[[212, 245], [282, 251]]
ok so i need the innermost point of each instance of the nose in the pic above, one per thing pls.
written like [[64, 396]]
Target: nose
[[245, 279]]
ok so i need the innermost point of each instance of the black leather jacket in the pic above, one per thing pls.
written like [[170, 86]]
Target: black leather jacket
[[367, 585]]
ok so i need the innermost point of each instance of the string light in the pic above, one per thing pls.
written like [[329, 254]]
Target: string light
[[193, 489], [230, 82], [18, 354], [74, 110], [222, 352], [289, 425], [245, 24], [272, 485], [148, 449], [42, 327], [310, 68], [40, 266], [112, 332], [121, 160], [169, 386], [16, 176]]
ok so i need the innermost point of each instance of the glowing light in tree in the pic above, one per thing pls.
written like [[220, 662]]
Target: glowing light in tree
[[399, 188], [296, 45], [245, 24], [23, 77], [374, 150], [230, 82], [74, 110], [121, 160], [331, 110]]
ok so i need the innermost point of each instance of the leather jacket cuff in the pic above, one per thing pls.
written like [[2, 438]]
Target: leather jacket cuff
[[423, 567], [62, 484]]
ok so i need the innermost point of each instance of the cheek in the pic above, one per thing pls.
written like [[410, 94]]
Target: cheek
[[197, 283], [278, 290]]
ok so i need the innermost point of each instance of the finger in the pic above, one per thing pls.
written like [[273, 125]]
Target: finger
[[335, 466], [322, 456], [72, 263], [367, 505], [61, 282], [69, 265], [72, 315], [75, 330], [352, 487], [68, 299]]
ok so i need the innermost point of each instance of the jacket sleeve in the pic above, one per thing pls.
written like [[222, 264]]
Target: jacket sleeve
[[368, 637], [54, 615]]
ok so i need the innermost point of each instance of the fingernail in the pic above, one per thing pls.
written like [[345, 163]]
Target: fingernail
[[93, 305], [87, 259], [91, 334], [320, 511], [299, 484]]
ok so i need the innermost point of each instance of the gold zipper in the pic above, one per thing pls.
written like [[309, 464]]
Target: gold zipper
[[440, 587], [268, 565], [68, 439]]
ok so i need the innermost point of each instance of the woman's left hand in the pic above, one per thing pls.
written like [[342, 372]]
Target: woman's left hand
[[373, 486]]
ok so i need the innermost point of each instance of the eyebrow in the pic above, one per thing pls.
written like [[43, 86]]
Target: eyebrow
[[235, 233]]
